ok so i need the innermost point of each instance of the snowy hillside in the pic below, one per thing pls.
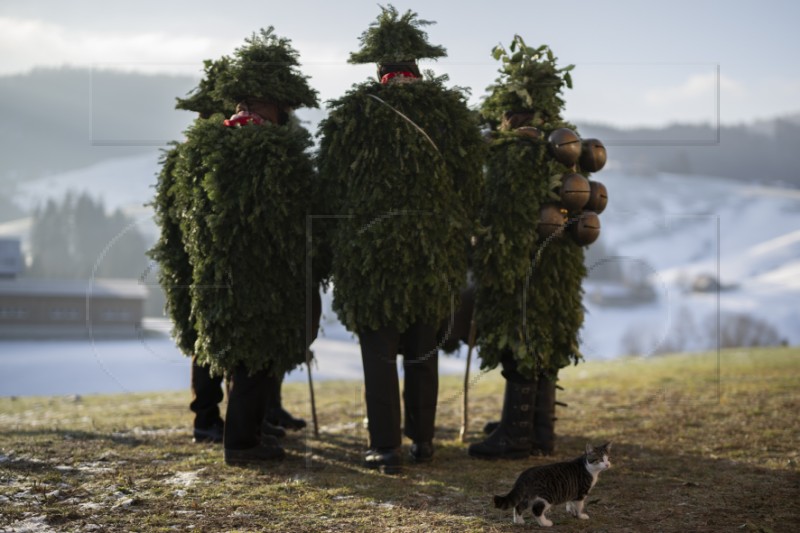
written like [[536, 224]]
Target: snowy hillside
[[125, 183], [677, 228], [665, 230]]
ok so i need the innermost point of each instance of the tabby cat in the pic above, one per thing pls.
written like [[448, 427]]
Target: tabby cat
[[544, 486]]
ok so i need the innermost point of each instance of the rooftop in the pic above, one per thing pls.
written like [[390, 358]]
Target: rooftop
[[97, 288]]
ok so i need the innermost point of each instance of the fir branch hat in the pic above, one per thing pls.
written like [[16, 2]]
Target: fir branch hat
[[200, 99], [529, 81], [396, 38], [265, 68]]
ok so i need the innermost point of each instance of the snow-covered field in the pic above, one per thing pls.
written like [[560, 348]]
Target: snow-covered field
[[676, 228], [666, 230]]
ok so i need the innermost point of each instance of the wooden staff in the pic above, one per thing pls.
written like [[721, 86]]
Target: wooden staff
[[465, 398], [309, 357], [309, 326]]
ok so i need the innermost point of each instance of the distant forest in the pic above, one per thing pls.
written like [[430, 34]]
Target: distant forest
[[764, 152], [55, 120]]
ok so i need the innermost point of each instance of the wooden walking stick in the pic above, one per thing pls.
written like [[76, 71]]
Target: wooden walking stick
[[465, 398], [309, 357], [309, 326]]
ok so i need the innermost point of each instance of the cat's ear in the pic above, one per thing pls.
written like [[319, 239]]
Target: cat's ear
[[589, 447], [607, 446]]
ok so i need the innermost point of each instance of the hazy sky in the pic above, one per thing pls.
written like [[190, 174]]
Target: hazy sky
[[637, 62]]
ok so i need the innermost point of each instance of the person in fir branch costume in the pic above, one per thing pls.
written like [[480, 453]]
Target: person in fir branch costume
[[242, 193], [175, 271], [528, 307], [402, 158], [205, 101], [175, 277]]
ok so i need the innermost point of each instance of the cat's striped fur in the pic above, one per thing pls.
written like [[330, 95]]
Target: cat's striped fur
[[541, 487]]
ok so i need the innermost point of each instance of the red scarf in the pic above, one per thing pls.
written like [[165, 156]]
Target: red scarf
[[242, 118], [403, 73]]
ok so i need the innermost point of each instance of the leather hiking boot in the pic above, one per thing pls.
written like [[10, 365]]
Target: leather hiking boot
[[271, 430], [544, 417], [543, 442], [512, 438], [267, 451], [278, 416], [212, 433], [421, 452], [387, 460]]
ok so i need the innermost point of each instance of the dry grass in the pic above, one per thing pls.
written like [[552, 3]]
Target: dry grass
[[701, 443]]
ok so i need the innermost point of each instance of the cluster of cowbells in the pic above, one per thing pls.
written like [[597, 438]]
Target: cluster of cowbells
[[582, 200]]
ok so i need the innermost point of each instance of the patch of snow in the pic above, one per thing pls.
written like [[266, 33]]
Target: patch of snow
[[184, 479], [90, 506], [124, 503], [30, 524], [95, 468]]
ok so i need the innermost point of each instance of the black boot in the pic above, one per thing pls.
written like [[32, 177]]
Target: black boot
[[544, 416], [545, 406], [270, 430], [512, 437], [385, 460], [207, 393], [276, 414]]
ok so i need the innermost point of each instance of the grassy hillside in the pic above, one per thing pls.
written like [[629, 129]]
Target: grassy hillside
[[701, 443]]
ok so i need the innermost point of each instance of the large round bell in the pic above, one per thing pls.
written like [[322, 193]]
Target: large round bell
[[586, 229], [598, 197], [574, 191], [593, 155], [565, 146], [551, 219], [529, 131]]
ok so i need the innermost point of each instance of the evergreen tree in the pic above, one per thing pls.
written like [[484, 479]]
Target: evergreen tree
[[77, 239]]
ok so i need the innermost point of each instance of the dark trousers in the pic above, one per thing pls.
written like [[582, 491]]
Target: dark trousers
[[379, 349], [246, 405], [250, 396], [206, 395]]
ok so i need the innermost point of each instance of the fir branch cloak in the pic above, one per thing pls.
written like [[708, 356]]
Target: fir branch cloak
[[529, 296], [406, 201], [175, 271], [246, 195]]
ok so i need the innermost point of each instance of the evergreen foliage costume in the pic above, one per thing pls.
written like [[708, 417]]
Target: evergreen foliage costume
[[175, 277], [175, 270], [243, 192], [529, 299], [402, 158]]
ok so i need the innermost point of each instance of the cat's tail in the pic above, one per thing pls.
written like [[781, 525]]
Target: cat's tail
[[507, 501]]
